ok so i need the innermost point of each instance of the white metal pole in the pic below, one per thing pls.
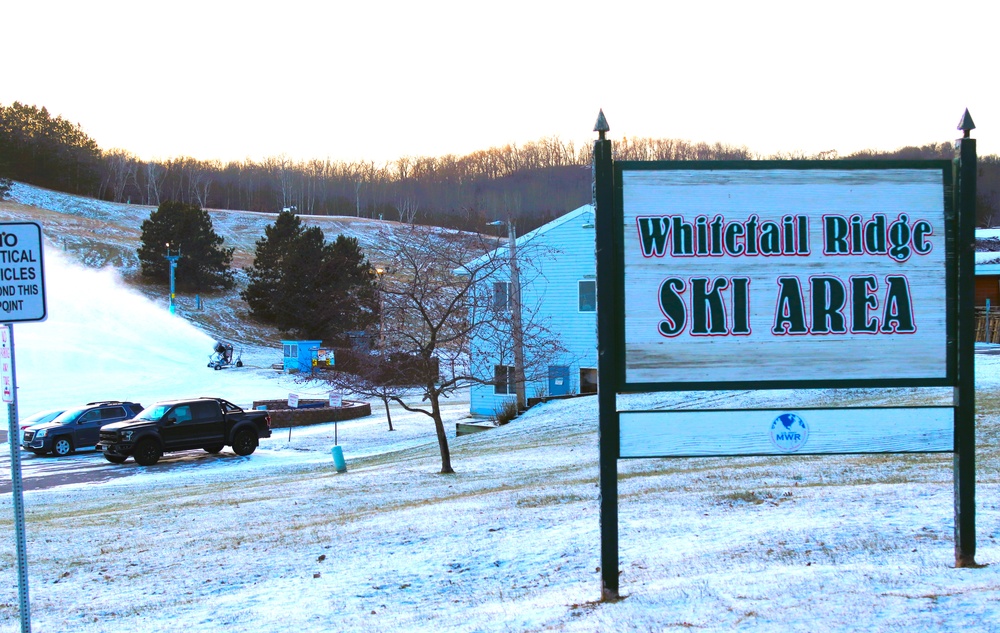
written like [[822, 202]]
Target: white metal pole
[[17, 489]]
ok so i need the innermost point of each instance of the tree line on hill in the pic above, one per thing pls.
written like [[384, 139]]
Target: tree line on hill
[[529, 184]]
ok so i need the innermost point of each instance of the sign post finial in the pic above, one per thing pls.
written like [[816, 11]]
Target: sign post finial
[[966, 124], [601, 126]]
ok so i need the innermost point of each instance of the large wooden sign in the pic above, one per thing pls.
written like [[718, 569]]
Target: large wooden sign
[[784, 275], [764, 274]]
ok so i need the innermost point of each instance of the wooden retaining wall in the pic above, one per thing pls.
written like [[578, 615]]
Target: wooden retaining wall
[[468, 429], [283, 417]]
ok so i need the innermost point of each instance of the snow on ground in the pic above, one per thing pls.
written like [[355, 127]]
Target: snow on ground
[[279, 541]]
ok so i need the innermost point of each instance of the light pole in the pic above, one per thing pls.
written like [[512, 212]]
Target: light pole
[[517, 332], [381, 305], [173, 266]]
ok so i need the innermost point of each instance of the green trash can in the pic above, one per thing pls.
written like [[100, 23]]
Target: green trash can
[[338, 459]]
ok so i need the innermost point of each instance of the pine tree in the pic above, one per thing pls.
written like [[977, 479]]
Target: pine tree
[[308, 287], [204, 263], [266, 274]]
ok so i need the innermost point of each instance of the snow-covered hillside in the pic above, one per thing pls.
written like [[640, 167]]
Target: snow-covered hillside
[[106, 234]]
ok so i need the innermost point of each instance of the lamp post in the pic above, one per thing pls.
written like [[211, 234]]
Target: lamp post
[[517, 332], [381, 304], [173, 267]]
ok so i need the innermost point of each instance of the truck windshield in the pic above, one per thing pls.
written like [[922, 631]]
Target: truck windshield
[[154, 412]]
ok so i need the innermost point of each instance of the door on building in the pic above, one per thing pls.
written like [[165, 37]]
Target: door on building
[[558, 380]]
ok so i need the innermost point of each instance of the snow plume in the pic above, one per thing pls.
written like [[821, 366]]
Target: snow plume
[[101, 334]]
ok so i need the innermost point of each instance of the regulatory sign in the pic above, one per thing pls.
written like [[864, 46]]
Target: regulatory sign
[[22, 276], [6, 366]]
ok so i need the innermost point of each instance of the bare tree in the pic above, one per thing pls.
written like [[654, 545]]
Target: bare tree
[[121, 168], [436, 300], [407, 208], [155, 175], [374, 374], [200, 180], [283, 172]]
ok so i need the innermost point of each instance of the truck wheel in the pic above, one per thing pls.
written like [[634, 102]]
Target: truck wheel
[[215, 449], [62, 446], [147, 453], [245, 442], [116, 459]]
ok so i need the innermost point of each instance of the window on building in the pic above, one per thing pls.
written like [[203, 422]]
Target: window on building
[[588, 295], [588, 380], [503, 379], [501, 296], [290, 351]]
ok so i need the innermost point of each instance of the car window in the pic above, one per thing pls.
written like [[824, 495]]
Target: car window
[[183, 414], [205, 410], [113, 413], [90, 416]]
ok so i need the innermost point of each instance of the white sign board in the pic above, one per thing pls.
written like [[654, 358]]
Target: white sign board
[[759, 275], [22, 281], [336, 399], [786, 432], [6, 367], [293, 401]]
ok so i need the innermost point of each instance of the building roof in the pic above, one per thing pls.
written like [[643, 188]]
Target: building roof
[[501, 251]]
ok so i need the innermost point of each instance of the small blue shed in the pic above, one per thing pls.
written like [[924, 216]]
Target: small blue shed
[[300, 356]]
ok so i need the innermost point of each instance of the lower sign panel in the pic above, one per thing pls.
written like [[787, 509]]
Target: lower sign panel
[[786, 432]]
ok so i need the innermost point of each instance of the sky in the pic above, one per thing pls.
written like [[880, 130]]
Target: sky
[[381, 80]]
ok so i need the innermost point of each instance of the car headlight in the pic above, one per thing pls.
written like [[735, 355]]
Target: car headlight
[[41, 433], [127, 436]]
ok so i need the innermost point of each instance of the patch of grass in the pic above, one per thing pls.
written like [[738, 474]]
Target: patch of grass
[[540, 501], [746, 496], [505, 412], [755, 498]]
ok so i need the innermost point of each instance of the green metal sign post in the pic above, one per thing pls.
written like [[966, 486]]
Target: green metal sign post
[[606, 361], [965, 420]]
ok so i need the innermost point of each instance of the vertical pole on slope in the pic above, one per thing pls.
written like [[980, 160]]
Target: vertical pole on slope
[[17, 488], [965, 414], [517, 330], [607, 370], [986, 327], [173, 268]]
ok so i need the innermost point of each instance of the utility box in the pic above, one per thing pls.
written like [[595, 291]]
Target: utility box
[[300, 356]]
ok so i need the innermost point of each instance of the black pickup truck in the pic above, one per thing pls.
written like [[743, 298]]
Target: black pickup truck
[[179, 425]]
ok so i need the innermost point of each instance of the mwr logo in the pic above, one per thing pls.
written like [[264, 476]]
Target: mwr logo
[[789, 432]]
